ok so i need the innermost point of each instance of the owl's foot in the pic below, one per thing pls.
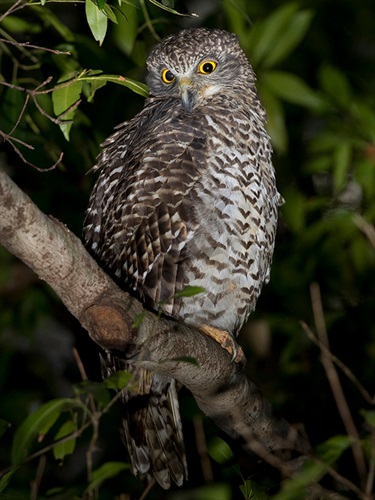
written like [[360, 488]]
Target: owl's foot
[[227, 341]]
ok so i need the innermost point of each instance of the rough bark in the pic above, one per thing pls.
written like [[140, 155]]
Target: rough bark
[[222, 390]]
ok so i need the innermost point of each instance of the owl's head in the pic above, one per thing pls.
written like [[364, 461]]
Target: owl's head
[[197, 63]]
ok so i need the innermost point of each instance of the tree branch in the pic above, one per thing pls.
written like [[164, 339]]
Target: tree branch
[[221, 389]]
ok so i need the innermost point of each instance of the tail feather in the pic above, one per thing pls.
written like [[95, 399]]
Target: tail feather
[[151, 425]]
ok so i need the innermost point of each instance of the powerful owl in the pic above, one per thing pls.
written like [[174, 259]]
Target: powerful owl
[[186, 197]]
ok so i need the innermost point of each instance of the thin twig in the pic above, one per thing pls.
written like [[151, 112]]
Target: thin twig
[[10, 140], [35, 485], [43, 84], [148, 21], [335, 384], [82, 371], [147, 490], [8, 137], [347, 372], [12, 86], [19, 119], [31, 46], [6, 37], [56, 121], [80, 366], [200, 440], [92, 445], [367, 229], [46, 449], [371, 472], [342, 480], [16, 6]]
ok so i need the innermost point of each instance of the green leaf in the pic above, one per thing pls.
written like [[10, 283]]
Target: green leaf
[[110, 14], [106, 471], [96, 389], [341, 162], [190, 291], [170, 10], [318, 164], [364, 115], [276, 121], [294, 209], [118, 380], [251, 491], [12, 102], [332, 449], [335, 84], [312, 471], [291, 37], [135, 86], [237, 18], [185, 359], [219, 450], [17, 24], [101, 3], [66, 99], [60, 450], [213, 491], [4, 481], [296, 487], [364, 174], [38, 424], [125, 33], [293, 89], [97, 21], [93, 87], [50, 19], [268, 33]]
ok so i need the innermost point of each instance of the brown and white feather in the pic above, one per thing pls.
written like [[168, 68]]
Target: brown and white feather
[[187, 197]]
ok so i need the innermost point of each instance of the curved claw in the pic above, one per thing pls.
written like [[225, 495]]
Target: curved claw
[[227, 341], [235, 351]]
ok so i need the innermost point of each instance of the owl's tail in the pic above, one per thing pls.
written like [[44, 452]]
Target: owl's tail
[[151, 425]]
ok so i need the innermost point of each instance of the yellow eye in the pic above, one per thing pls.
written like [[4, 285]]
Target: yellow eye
[[167, 76], [207, 67]]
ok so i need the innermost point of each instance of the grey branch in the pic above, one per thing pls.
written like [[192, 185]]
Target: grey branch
[[222, 390]]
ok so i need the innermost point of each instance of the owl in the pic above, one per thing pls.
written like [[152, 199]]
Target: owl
[[186, 196]]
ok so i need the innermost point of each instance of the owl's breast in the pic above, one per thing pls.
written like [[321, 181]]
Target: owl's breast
[[235, 217]]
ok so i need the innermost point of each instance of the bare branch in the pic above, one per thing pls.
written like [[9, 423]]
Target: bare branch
[[8, 137], [367, 229], [221, 389], [335, 384], [31, 46], [370, 399], [16, 6]]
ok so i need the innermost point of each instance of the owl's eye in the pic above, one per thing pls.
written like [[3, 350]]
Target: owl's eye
[[167, 76], [207, 67]]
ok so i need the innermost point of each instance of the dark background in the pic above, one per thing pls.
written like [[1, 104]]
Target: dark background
[[319, 93]]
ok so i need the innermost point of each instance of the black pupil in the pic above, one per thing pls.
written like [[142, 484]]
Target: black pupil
[[169, 76], [208, 68]]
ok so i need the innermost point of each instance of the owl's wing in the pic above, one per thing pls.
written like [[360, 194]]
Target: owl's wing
[[140, 217], [138, 226]]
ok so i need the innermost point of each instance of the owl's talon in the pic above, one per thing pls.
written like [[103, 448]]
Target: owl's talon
[[227, 341], [235, 352]]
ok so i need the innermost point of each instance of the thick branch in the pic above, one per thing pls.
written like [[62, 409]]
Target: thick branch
[[221, 390]]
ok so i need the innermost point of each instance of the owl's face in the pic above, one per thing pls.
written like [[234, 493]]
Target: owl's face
[[197, 63]]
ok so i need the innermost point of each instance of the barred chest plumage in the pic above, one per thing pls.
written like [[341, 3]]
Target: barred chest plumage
[[236, 217], [194, 203]]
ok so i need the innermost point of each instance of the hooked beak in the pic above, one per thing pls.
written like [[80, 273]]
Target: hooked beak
[[188, 94]]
